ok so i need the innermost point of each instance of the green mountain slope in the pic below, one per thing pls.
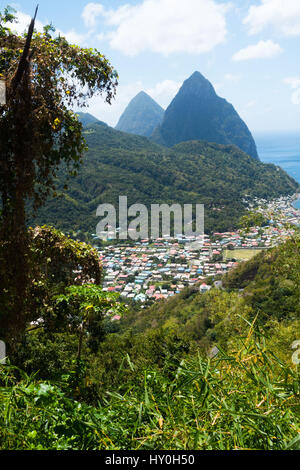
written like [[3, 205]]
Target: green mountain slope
[[150, 385], [86, 119], [119, 164], [141, 116], [198, 113], [266, 287]]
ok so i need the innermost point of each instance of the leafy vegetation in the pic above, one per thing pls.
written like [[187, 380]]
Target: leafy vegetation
[[266, 288], [195, 372], [44, 78], [243, 400], [154, 382], [86, 119], [220, 177], [55, 261]]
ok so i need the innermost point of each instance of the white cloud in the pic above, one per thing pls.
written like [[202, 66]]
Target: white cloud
[[232, 78], [164, 92], [101, 37], [250, 104], [218, 86], [74, 38], [24, 20], [163, 26], [111, 113], [261, 50], [91, 12], [283, 15], [294, 83], [296, 97]]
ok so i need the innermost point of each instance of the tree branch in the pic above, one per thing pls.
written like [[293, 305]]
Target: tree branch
[[24, 59]]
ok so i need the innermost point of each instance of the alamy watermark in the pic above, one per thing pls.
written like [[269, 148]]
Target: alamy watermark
[[2, 92], [296, 354], [2, 352], [185, 222], [213, 353]]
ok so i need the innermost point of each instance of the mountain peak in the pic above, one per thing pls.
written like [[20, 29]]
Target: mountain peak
[[197, 76], [198, 113], [198, 85], [86, 119], [141, 116], [143, 94]]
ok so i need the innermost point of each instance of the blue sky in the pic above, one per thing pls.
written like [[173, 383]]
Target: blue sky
[[249, 50]]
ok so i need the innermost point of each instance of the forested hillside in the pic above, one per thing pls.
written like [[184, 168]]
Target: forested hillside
[[120, 164], [150, 384], [83, 367], [267, 286], [86, 119]]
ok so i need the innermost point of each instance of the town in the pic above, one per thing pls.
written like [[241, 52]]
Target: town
[[148, 270]]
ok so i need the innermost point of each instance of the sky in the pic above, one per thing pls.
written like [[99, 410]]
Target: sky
[[249, 50]]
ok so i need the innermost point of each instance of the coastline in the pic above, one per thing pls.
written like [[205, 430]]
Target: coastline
[[296, 201]]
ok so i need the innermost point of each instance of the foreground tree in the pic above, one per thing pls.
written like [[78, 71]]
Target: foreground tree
[[45, 77]]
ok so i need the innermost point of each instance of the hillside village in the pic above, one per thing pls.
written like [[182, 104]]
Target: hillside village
[[149, 270]]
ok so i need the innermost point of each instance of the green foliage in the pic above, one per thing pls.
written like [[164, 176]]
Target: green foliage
[[146, 382], [150, 384], [247, 399], [195, 172], [266, 286], [87, 301], [86, 119], [271, 282], [82, 309], [58, 256], [6, 17], [252, 219], [55, 262], [53, 132], [45, 77], [71, 327], [39, 416], [47, 355]]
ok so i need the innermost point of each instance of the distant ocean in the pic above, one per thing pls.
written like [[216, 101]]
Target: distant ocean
[[284, 151]]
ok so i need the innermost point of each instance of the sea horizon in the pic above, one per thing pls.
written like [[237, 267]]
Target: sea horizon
[[282, 149]]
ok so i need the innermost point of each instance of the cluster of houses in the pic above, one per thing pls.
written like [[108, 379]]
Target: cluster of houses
[[155, 270], [280, 212], [159, 270]]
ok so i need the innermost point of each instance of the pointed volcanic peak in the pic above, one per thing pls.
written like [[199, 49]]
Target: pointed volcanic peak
[[141, 116], [198, 113], [86, 119]]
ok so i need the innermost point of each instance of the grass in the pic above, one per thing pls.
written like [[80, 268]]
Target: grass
[[241, 255], [245, 399]]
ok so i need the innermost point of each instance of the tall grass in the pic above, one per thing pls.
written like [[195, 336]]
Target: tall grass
[[248, 399]]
